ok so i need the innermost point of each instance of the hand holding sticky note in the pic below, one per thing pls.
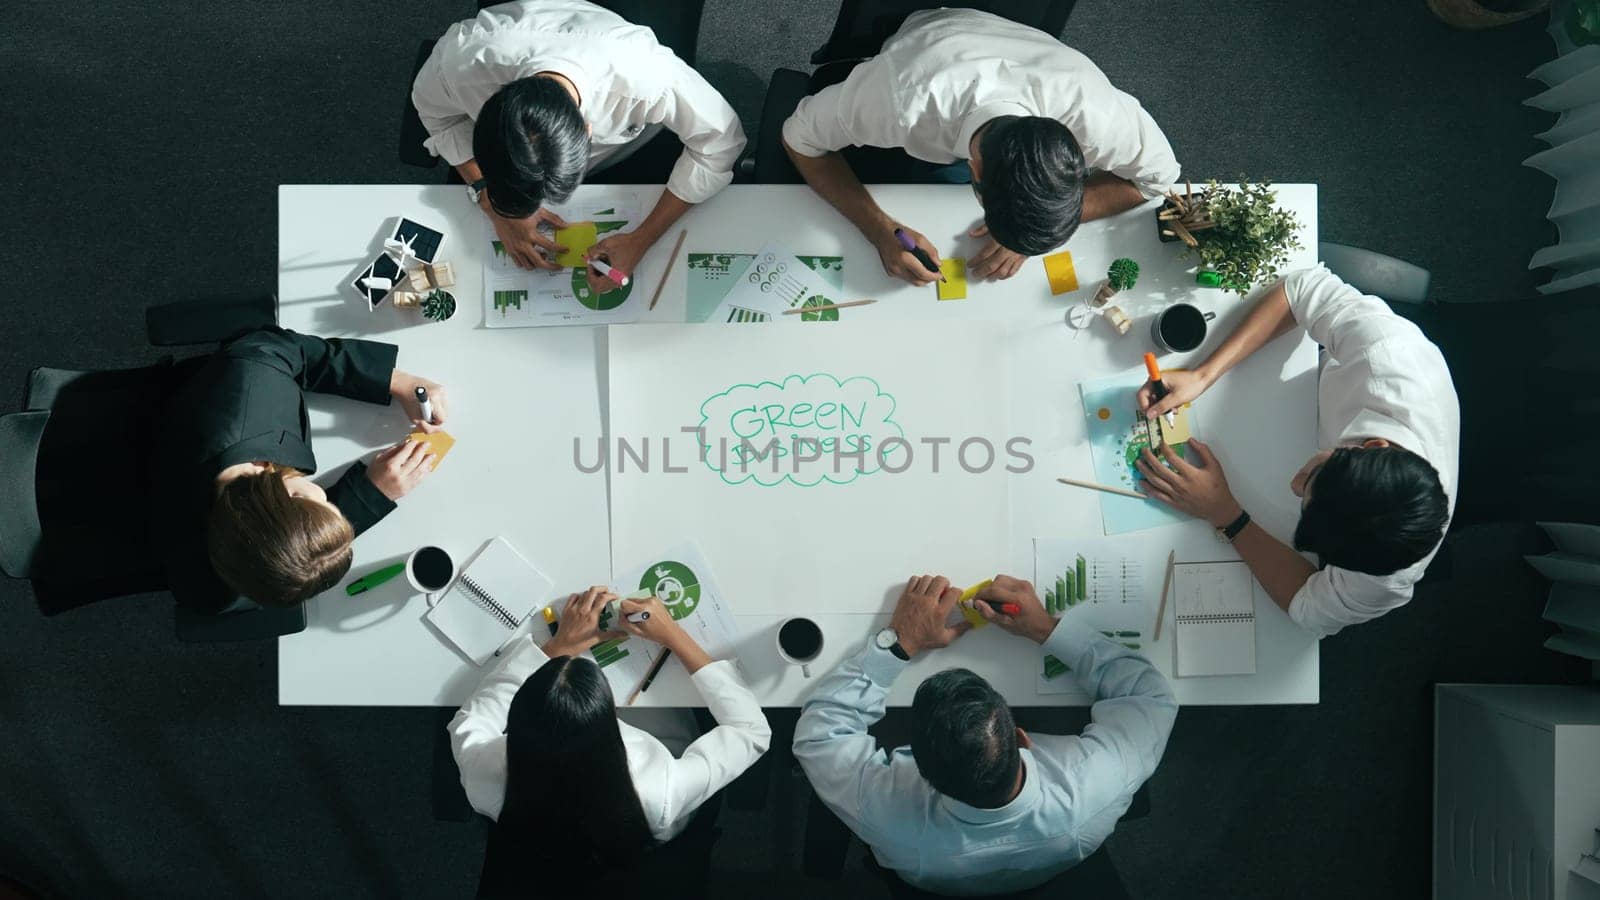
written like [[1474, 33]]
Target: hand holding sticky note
[[439, 443], [954, 285], [966, 604], [577, 238]]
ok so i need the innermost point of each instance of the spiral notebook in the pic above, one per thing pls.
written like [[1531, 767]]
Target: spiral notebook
[[1216, 618], [489, 600]]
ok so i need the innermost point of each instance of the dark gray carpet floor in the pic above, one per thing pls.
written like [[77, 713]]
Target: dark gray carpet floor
[[144, 143]]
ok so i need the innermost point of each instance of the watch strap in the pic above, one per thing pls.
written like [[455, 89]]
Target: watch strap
[[899, 652], [1232, 529]]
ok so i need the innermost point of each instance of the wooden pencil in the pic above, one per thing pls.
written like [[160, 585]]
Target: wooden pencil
[[806, 309], [649, 676], [677, 245], [1166, 585], [1104, 487]]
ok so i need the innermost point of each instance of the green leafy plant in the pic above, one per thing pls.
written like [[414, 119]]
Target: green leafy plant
[[439, 305], [1583, 22], [1249, 237], [1123, 273]]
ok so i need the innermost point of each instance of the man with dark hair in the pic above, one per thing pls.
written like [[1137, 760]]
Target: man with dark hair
[[977, 805], [1048, 140], [1376, 502], [528, 96]]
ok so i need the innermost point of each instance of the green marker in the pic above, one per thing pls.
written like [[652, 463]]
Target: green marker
[[1131, 646], [1127, 634], [372, 579]]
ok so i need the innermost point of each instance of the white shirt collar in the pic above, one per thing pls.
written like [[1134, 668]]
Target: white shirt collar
[[1024, 802], [981, 116]]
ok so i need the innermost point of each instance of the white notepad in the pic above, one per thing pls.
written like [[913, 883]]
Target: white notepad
[[1216, 618], [489, 600]]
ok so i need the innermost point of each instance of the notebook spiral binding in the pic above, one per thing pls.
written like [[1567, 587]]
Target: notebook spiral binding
[[487, 603], [1226, 617]]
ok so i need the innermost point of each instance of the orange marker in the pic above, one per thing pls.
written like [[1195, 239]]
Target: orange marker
[[1157, 386]]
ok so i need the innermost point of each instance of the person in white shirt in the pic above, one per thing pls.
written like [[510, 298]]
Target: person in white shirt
[[1032, 117], [1378, 498], [527, 96], [542, 753], [976, 805]]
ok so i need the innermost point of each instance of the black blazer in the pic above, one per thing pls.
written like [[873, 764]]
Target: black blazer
[[242, 404]]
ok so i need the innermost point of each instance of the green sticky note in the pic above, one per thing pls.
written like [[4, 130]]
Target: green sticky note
[[577, 239], [954, 285]]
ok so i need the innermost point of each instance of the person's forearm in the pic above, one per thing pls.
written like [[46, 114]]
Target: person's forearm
[[833, 179], [1106, 194], [669, 209], [1270, 318], [688, 652], [1279, 569]]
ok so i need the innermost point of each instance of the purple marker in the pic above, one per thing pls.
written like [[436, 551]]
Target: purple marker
[[921, 254]]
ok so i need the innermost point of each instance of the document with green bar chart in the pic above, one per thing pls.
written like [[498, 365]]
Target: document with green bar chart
[[1101, 581]]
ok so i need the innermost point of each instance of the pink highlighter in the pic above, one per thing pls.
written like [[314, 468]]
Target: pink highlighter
[[617, 275]]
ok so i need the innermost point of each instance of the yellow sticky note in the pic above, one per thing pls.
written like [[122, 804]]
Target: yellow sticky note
[[954, 285], [1178, 432], [439, 443], [1058, 268], [967, 611], [577, 239]]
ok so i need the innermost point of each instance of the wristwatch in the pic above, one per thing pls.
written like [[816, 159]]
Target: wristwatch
[[1231, 530], [886, 639], [475, 189]]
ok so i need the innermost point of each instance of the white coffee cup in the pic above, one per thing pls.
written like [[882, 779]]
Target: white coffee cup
[[796, 636], [430, 570]]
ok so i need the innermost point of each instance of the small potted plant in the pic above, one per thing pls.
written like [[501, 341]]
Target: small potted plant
[[439, 306], [1239, 233], [1122, 275]]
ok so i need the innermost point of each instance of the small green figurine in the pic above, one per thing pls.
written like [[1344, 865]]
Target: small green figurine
[[439, 305], [1119, 277]]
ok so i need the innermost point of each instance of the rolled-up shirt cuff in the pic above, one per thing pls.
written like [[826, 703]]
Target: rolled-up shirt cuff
[[693, 182], [453, 145], [795, 135], [1070, 642]]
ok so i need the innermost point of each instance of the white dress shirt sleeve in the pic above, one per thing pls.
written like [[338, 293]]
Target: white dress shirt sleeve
[[859, 111], [1132, 716], [1135, 148], [720, 755], [1343, 320], [440, 106], [841, 760], [477, 732], [1333, 598], [702, 119]]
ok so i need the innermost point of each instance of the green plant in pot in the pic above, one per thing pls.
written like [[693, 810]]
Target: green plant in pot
[[439, 305], [1239, 233]]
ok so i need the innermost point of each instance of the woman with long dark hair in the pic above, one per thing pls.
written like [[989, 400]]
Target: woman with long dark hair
[[541, 752]]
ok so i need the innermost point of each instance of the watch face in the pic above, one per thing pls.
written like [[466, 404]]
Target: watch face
[[886, 638]]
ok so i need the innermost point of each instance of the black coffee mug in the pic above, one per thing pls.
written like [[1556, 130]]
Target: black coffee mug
[[1180, 328], [800, 642], [429, 569]]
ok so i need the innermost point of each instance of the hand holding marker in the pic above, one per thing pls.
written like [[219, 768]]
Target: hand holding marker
[[1158, 388], [922, 256], [427, 408], [616, 275]]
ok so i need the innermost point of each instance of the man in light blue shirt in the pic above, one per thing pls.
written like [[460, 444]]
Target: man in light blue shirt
[[976, 805]]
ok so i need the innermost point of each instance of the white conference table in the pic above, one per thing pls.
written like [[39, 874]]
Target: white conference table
[[518, 395]]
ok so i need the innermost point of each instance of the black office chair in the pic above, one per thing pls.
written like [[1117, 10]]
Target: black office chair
[[676, 25], [680, 868], [1370, 272], [859, 33], [863, 25]]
